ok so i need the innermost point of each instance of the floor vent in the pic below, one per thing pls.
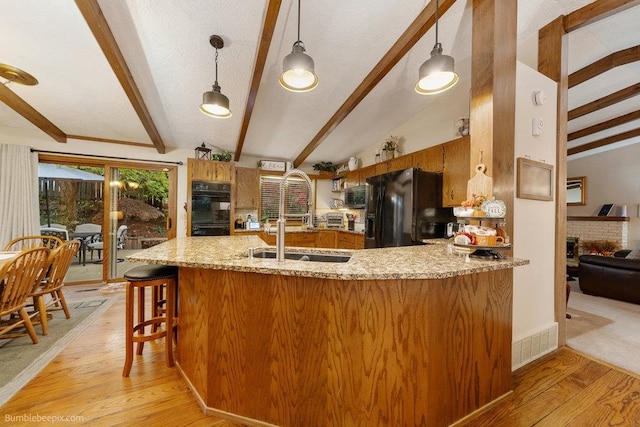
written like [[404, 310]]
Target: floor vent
[[534, 346]]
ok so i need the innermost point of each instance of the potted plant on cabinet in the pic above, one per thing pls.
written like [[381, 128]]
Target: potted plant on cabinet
[[390, 147]]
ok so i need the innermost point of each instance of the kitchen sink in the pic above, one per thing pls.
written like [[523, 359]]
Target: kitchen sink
[[305, 256]]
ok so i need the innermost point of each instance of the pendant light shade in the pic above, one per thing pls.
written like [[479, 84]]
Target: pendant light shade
[[214, 103], [437, 73], [298, 74], [298, 68]]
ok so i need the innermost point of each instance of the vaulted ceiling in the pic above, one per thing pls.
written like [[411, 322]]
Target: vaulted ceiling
[[134, 71]]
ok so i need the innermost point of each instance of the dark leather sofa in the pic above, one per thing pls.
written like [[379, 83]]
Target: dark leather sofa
[[610, 277]]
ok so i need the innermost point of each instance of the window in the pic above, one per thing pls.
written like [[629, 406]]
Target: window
[[296, 196]]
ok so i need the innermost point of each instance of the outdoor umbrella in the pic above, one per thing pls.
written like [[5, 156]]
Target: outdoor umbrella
[[51, 171]]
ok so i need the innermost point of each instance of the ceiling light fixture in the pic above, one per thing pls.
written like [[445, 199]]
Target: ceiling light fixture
[[16, 75], [214, 103], [436, 73], [298, 74]]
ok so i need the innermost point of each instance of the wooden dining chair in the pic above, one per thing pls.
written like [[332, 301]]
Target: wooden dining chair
[[30, 242], [57, 267], [17, 278]]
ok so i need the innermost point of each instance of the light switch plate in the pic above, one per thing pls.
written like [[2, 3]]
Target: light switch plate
[[536, 126]]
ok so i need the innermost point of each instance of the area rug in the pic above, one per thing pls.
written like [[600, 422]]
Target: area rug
[[21, 360], [605, 329]]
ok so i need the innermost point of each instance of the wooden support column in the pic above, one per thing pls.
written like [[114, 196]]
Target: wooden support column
[[552, 62], [493, 88]]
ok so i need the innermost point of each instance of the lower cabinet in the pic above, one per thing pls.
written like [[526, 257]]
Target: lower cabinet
[[330, 239]]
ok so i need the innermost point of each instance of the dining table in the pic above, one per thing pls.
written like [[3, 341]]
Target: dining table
[[85, 237]]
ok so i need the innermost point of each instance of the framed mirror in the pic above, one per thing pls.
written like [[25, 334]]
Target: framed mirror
[[577, 191]]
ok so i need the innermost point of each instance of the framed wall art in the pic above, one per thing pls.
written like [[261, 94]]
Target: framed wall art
[[534, 180]]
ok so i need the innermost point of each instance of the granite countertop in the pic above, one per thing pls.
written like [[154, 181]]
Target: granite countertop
[[230, 253]]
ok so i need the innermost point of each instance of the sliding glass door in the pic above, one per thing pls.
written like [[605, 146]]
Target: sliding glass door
[[115, 209]]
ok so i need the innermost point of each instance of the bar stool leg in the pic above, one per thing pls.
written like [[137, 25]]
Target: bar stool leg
[[128, 361], [170, 325], [140, 345]]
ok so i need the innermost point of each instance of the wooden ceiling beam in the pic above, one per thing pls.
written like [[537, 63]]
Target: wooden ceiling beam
[[418, 28], [268, 27], [617, 121], [596, 11], [602, 65], [96, 21], [604, 141], [606, 101], [21, 107]]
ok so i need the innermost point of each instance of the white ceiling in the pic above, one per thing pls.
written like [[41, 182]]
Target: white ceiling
[[166, 46]]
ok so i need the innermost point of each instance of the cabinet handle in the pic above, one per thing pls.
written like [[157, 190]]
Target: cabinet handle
[[451, 194]]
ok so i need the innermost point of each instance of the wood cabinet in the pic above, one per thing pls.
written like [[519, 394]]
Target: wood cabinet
[[210, 170], [305, 239], [430, 159], [247, 191], [349, 240], [352, 179], [456, 171], [326, 239], [367, 172]]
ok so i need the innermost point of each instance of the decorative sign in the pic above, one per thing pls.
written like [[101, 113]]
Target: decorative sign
[[273, 165]]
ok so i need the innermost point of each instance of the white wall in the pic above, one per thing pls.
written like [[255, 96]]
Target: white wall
[[534, 220], [432, 126], [612, 177]]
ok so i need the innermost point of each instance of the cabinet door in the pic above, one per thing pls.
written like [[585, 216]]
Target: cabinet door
[[430, 159], [352, 179], [345, 240], [247, 188], [306, 240], [456, 172], [209, 170], [326, 239], [400, 163], [367, 172]]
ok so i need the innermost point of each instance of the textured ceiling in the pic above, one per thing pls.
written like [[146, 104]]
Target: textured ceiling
[[166, 46]]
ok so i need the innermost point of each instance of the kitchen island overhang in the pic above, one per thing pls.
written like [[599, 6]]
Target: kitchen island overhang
[[393, 337]]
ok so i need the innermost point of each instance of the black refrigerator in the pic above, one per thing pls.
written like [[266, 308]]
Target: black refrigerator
[[405, 207]]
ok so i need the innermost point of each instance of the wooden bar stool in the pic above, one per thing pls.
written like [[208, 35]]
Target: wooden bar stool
[[154, 276]]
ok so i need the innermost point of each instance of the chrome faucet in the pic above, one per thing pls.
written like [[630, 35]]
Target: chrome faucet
[[281, 216]]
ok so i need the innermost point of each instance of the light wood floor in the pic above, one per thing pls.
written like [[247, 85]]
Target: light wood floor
[[562, 389]]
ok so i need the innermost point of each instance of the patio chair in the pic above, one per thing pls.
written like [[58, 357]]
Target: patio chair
[[58, 265], [121, 237], [17, 279], [30, 242], [60, 233]]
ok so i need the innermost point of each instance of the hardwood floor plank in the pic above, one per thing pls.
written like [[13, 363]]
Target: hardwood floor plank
[[564, 388]]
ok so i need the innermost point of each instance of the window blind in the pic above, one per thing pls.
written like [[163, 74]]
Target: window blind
[[296, 196]]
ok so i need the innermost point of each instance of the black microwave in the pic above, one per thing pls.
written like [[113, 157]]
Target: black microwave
[[355, 197]]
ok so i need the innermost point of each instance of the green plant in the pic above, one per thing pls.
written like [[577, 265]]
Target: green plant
[[325, 166], [225, 156], [391, 143]]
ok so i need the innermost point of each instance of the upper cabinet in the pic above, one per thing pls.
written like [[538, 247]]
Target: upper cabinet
[[247, 188], [430, 159], [210, 170], [455, 172]]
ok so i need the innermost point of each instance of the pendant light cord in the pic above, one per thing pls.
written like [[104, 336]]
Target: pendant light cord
[[216, 67], [298, 20], [437, 7]]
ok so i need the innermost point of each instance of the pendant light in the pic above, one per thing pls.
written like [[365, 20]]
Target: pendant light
[[214, 103], [436, 73], [298, 74]]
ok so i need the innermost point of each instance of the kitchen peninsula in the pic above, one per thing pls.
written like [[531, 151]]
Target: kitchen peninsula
[[394, 336]]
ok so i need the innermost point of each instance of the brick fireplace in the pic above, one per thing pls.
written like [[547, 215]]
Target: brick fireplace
[[597, 228]]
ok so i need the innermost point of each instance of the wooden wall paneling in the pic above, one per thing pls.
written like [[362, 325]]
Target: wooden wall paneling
[[552, 62], [307, 351], [493, 81]]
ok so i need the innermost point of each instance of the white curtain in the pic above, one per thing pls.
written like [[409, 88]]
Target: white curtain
[[19, 207]]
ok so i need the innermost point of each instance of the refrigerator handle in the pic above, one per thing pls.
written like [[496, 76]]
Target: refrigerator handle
[[380, 216]]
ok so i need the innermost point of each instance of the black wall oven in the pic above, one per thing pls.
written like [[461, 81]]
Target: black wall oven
[[210, 208]]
